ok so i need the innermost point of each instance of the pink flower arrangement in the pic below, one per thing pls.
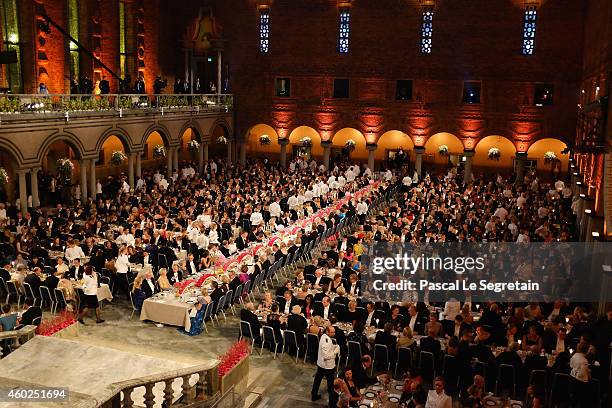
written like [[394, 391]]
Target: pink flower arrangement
[[237, 352], [51, 326], [200, 281]]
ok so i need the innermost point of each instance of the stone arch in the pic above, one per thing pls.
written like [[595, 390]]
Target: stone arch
[[340, 137], [10, 162], [252, 138], [120, 134], [537, 150], [13, 151], [163, 132], [504, 144], [70, 139], [195, 127], [222, 123], [392, 140], [454, 144], [306, 131]]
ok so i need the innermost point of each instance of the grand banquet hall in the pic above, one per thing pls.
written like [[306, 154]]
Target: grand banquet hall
[[305, 203]]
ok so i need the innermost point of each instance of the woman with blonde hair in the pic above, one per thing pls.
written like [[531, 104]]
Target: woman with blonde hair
[[406, 340], [162, 280], [316, 325], [138, 295]]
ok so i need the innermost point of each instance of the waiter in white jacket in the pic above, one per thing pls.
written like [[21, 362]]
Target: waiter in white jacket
[[326, 365]]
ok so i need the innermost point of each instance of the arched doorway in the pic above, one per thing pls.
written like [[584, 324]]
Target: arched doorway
[[542, 150], [492, 146], [389, 144], [153, 140], [187, 153], [299, 134], [217, 149], [107, 164], [255, 148], [59, 179], [9, 189], [433, 156], [339, 140]]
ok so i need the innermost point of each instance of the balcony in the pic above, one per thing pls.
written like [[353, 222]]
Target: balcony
[[54, 106]]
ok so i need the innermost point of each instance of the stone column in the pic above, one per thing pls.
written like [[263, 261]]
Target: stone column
[[229, 151], [201, 158], [131, 160], [139, 164], [467, 170], [83, 164], [243, 146], [176, 158], [92, 177], [34, 184], [169, 157], [520, 167], [371, 148], [418, 164], [23, 192], [283, 152], [326, 153]]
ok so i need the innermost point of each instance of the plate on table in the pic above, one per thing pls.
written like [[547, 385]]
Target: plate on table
[[370, 394], [364, 405], [516, 405], [490, 403], [393, 399], [399, 387]]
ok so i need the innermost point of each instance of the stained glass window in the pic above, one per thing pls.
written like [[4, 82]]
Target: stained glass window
[[529, 30], [10, 74], [264, 31], [122, 39], [73, 29], [345, 29], [427, 31]]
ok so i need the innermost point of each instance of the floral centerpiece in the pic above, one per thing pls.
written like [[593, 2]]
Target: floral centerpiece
[[494, 153], [264, 140], [443, 150], [238, 352], [51, 326], [65, 166], [4, 178], [350, 145], [306, 141], [159, 151], [550, 157], [181, 286], [222, 140], [117, 158], [193, 146]]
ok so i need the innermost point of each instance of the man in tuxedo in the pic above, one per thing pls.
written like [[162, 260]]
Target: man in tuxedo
[[217, 292], [30, 313], [319, 280], [287, 302], [415, 321], [325, 309], [175, 275], [297, 323], [352, 285], [247, 314], [386, 338], [457, 327], [148, 285], [76, 270], [5, 274], [34, 280], [234, 282], [192, 267], [431, 344], [360, 373], [242, 241]]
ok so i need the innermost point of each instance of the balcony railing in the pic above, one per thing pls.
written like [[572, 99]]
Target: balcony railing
[[16, 105]]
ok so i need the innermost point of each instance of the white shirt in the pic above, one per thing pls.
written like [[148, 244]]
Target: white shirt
[[368, 321], [151, 285], [451, 309], [275, 210], [122, 264], [90, 287], [435, 400], [327, 353], [580, 367], [74, 253], [292, 202], [361, 208], [560, 347], [256, 218], [407, 181]]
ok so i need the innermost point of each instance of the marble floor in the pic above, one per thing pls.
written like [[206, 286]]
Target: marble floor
[[280, 383]]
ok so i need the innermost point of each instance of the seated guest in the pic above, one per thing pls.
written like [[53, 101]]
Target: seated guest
[[415, 322], [532, 338], [355, 395], [287, 302], [341, 299], [512, 335], [457, 327], [430, 343], [434, 324], [148, 285], [216, 293], [138, 293], [287, 286], [340, 336], [247, 313], [51, 281], [535, 361], [336, 283], [299, 279], [316, 325], [325, 309], [266, 302], [396, 319], [175, 275], [351, 314], [302, 293], [360, 373], [308, 306], [76, 270], [318, 280], [162, 280], [359, 336], [511, 357], [8, 320], [61, 267], [273, 320], [436, 398], [352, 286], [386, 338], [483, 335], [405, 339], [297, 323], [30, 312]]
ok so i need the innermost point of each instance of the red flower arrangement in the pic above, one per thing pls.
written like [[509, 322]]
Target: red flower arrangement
[[181, 286], [51, 326], [229, 360], [200, 281]]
